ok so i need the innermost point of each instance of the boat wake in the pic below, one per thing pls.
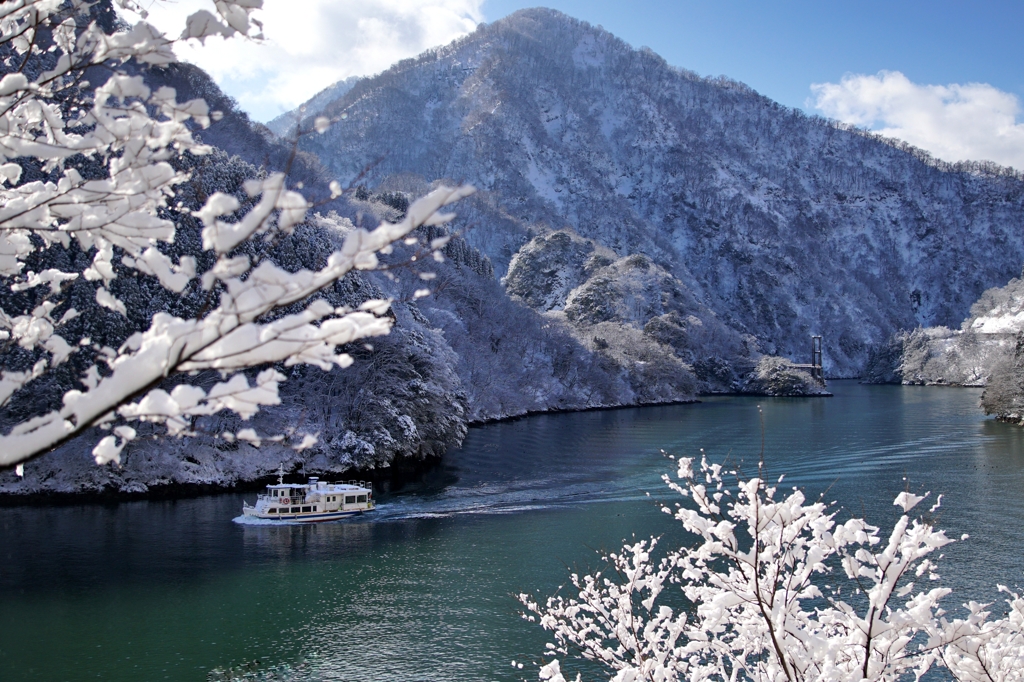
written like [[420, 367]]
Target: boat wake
[[516, 498]]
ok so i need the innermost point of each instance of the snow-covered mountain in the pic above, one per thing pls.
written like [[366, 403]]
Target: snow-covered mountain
[[642, 235], [783, 225]]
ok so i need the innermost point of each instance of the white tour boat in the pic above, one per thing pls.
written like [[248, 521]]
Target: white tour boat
[[311, 502]]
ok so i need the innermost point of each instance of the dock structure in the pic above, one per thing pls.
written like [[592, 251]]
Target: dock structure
[[814, 368]]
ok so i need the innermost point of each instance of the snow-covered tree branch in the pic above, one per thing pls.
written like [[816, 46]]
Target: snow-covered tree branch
[[89, 165], [773, 587]]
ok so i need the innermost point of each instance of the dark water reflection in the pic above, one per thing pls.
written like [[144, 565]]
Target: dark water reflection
[[423, 588]]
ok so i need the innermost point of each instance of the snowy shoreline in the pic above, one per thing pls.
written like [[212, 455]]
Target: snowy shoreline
[[401, 471]]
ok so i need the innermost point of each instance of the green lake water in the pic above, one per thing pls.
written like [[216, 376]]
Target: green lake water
[[423, 588]]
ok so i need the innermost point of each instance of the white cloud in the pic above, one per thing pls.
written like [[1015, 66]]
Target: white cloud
[[314, 43], [956, 122]]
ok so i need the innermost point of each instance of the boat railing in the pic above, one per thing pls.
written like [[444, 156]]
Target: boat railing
[[291, 500], [299, 500], [361, 484]]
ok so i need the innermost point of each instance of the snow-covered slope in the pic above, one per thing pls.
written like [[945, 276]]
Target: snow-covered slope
[[642, 234], [467, 353], [1000, 310], [784, 225]]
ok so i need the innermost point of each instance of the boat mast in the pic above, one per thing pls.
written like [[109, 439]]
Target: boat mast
[[280, 474]]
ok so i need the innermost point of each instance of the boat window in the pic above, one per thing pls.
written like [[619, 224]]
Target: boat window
[[295, 510], [272, 510], [362, 498], [307, 509], [350, 499]]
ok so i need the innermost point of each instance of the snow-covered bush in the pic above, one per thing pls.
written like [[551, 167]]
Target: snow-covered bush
[[773, 587], [780, 377], [90, 166], [1004, 395]]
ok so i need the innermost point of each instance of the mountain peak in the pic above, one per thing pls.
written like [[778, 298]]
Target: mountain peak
[[540, 16]]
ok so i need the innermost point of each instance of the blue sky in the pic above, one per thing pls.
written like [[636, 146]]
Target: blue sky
[[780, 48], [945, 76]]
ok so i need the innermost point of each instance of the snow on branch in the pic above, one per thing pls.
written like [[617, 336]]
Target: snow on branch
[[229, 338], [781, 591], [129, 136]]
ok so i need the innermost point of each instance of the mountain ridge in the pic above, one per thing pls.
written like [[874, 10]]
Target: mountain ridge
[[751, 205]]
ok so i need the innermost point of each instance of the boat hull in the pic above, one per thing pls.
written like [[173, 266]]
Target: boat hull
[[320, 517]]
